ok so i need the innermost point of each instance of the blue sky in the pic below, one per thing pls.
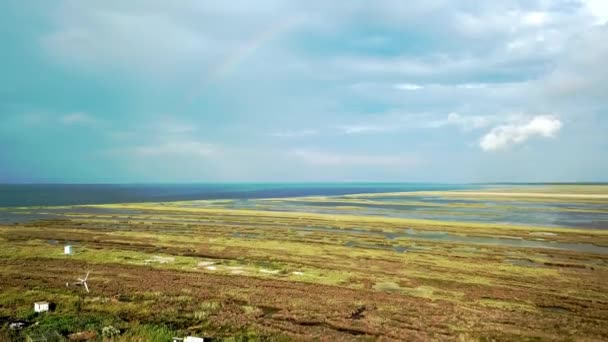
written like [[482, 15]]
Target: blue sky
[[268, 90]]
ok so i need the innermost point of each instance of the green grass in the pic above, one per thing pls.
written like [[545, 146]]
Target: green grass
[[507, 305], [149, 332]]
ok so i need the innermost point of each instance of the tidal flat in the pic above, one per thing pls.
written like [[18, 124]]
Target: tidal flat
[[511, 263]]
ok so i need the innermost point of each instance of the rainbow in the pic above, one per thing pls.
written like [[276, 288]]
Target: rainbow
[[231, 63], [248, 48]]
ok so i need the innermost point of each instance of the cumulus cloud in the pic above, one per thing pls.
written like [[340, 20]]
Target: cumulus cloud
[[320, 158], [504, 136]]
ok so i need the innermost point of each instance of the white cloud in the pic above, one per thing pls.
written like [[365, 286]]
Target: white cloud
[[408, 86], [167, 38], [367, 128], [336, 159], [159, 129], [466, 122], [501, 137], [78, 118], [99, 35], [509, 21], [396, 122], [535, 18], [472, 86], [581, 76], [33, 118], [599, 9], [186, 148], [295, 134], [178, 128], [501, 41]]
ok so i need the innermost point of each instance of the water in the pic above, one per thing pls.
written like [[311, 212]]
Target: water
[[16, 195], [252, 196], [442, 236], [257, 195], [434, 207]]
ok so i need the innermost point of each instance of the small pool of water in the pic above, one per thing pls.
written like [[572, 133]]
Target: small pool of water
[[503, 241], [466, 239]]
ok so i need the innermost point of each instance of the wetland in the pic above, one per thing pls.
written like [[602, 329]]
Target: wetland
[[491, 263]]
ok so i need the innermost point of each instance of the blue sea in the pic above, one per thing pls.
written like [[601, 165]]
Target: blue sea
[[12, 195]]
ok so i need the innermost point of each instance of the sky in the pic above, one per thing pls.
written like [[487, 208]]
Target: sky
[[112, 91]]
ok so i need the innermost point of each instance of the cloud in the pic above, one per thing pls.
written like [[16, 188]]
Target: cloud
[[395, 122], [535, 18], [318, 158], [104, 35], [504, 136], [162, 137], [468, 122], [180, 128], [33, 119], [408, 86], [581, 76], [295, 134], [185, 148], [387, 87], [159, 128], [598, 9], [366, 128], [78, 118], [472, 86]]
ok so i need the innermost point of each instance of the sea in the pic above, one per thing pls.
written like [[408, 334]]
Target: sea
[[20, 195]]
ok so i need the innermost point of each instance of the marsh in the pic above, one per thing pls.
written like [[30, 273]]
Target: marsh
[[307, 269]]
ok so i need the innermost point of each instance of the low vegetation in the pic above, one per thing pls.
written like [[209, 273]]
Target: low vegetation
[[204, 268]]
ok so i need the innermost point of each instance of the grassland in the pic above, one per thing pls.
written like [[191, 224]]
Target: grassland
[[207, 268]]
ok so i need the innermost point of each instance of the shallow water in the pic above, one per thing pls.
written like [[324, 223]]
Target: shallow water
[[12, 195], [592, 215], [465, 239], [256, 196], [504, 241]]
